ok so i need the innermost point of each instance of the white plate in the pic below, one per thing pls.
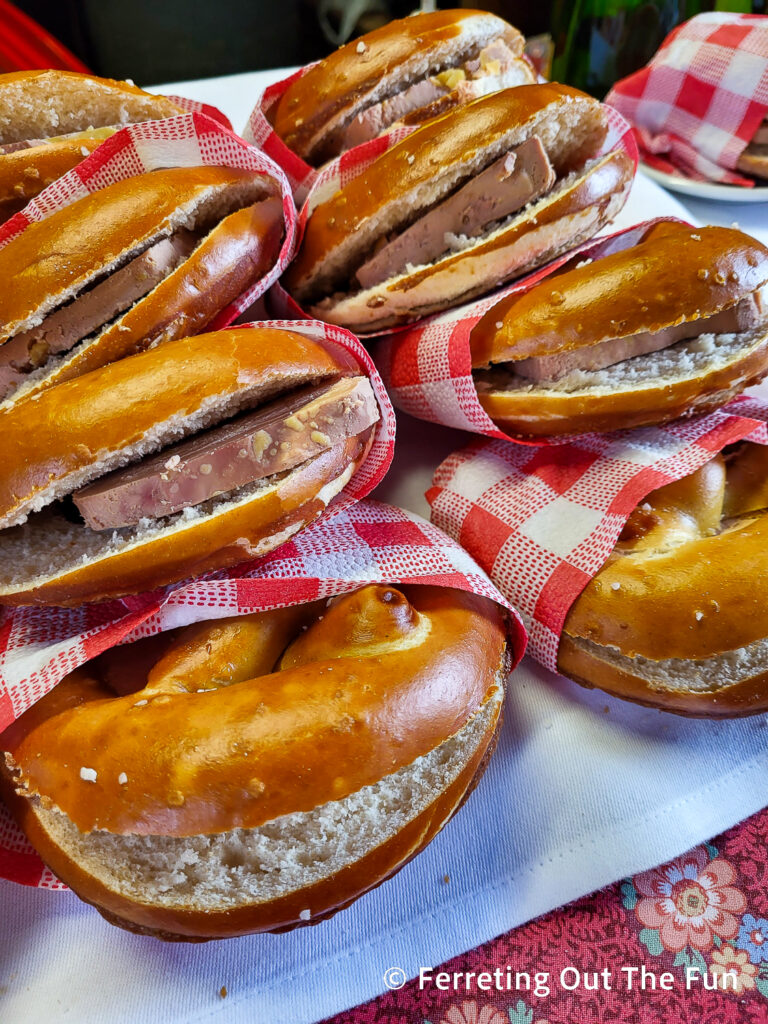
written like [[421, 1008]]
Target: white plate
[[707, 189]]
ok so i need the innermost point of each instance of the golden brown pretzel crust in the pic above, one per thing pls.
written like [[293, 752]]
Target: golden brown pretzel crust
[[333, 894], [46, 81], [336, 82], [687, 580], [26, 172], [69, 427], [237, 535], [379, 679]]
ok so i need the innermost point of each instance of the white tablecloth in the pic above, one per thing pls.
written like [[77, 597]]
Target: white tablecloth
[[584, 789]]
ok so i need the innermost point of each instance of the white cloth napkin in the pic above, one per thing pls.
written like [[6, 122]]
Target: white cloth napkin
[[583, 790]]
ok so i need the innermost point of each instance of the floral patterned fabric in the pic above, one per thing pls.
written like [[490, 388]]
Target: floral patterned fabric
[[686, 942]]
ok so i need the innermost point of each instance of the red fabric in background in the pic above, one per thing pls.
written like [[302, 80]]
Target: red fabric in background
[[706, 910]]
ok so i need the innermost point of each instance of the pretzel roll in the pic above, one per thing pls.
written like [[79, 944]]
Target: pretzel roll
[[50, 120], [673, 326], [414, 67], [676, 618], [470, 200], [189, 457], [139, 262], [206, 804]]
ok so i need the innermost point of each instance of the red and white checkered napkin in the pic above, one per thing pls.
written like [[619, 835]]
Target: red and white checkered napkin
[[542, 521], [189, 140], [364, 543], [428, 367], [701, 98], [338, 173], [196, 107], [260, 132]]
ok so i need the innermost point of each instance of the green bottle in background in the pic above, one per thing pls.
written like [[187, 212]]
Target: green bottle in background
[[596, 42]]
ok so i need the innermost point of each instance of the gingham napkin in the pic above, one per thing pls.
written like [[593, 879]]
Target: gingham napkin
[[427, 367], [542, 521], [700, 99], [366, 542], [196, 107], [188, 140], [260, 132], [338, 173]]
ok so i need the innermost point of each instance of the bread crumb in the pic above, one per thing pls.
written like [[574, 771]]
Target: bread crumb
[[223, 991], [446, 879], [88, 774], [305, 915]]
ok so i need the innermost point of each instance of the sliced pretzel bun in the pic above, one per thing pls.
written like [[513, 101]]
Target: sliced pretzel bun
[[379, 65], [675, 276], [234, 224], [75, 112], [76, 433], [677, 618], [424, 169], [272, 793]]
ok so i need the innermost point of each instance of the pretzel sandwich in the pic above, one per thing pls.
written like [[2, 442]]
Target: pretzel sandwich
[[261, 772], [672, 326], [411, 69], [676, 618], [477, 197], [195, 455]]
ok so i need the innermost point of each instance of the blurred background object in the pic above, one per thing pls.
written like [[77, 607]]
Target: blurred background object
[[26, 45], [588, 43], [597, 42]]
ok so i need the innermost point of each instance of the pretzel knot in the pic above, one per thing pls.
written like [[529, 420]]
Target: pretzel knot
[[257, 772], [677, 617]]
